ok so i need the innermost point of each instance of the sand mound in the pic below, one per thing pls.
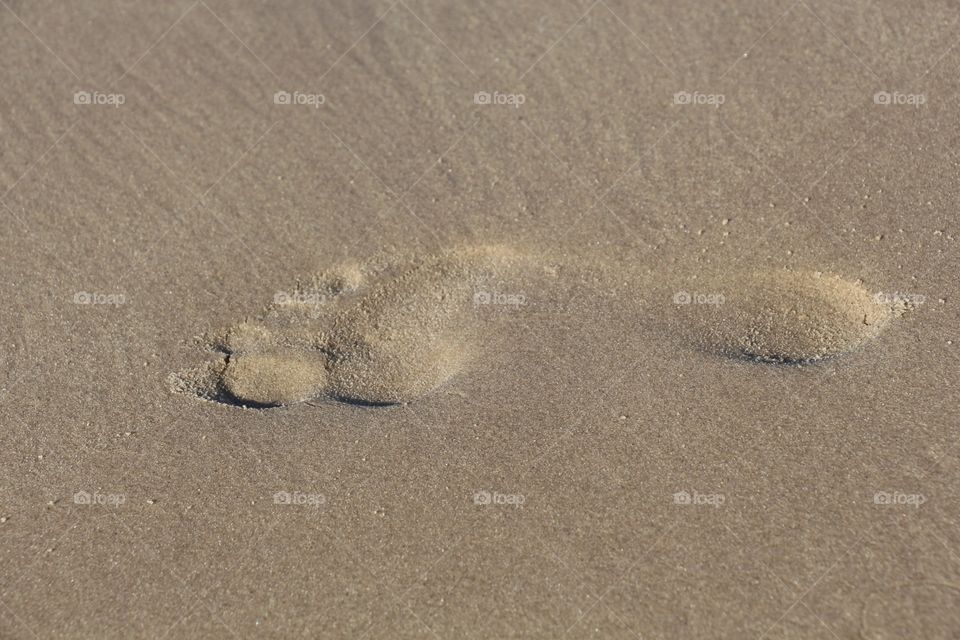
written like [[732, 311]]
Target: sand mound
[[779, 317], [380, 334]]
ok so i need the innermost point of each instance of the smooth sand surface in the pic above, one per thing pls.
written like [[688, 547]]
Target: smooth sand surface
[[479, 320]]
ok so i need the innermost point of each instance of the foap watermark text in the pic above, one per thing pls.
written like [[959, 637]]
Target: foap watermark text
[[696, 498], [299, 498], [486, 498], [96, 498], [898, 498], [300, 98], [87, 98], [482, 298], [697, 98], [87, 297], [685, 297], [496, 98], [895, 98]]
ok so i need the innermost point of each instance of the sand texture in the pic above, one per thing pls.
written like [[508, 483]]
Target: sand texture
[[495, 319]]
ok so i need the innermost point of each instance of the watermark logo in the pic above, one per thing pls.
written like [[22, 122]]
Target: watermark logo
[[899, 299], [685, 297], [695, 498], [298, 498], [299, 98], [312, 302], [95, 498], [510, 99], [485, 498], [886, 98], [86, 297], [481, 298], [696, 98], [101, 99], [897, 498]]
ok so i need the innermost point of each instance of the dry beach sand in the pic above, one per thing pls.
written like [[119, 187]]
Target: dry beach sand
[[500, 319]]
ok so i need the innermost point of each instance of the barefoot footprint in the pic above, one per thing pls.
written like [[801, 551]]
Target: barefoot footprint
[[387, 334], [365, 335]]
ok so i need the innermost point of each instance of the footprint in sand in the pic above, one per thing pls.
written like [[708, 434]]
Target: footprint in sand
[[783, 317], [389, 333], [374, 335]]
